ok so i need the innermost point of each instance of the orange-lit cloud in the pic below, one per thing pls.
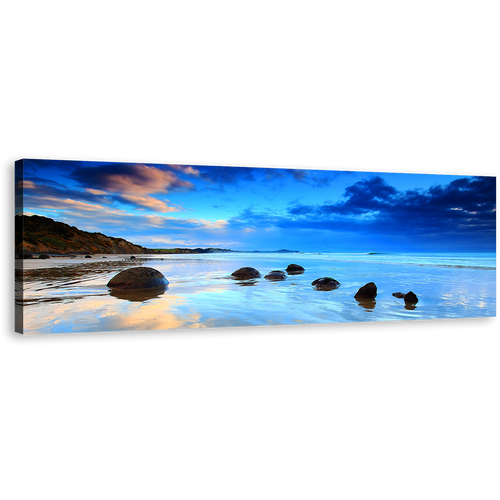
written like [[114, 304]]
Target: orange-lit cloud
[[149, 202]]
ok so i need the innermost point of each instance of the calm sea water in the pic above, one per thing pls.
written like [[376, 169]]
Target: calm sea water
[[70, 295]]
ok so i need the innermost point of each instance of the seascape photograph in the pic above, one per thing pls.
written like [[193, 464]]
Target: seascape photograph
[[106, 246]]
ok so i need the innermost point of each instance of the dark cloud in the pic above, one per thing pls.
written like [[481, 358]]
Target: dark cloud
[[466, 204], [302, 210], [316, 178], [376, 195], [136, 179], [226, 175]]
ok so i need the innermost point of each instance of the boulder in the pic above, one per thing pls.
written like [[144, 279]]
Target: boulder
[[246, 273], [138, 278], [295, 269], [88, 256], [325, 284], [368, 291], [132, 257], [410, 298], [275, 276], [44, 256]]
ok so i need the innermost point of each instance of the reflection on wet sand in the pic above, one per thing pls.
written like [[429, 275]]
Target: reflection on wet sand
[[245, 283], [367, 304], [108, 314], [72, 273], [138, 295]]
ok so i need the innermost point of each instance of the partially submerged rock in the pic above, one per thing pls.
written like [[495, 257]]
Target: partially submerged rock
[[295, 269], [368, 291], [410, 297], [325, 284], [275, 276], [44, 256], [245, 273], [88, 256], [138, 278], [132, 257]]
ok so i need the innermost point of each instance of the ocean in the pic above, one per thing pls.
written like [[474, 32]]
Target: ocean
[[64, 295]]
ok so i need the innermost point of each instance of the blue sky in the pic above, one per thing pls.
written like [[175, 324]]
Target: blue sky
[[246, 208]]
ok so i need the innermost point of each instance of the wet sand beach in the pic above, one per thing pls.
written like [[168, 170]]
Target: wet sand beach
[[63, 295]]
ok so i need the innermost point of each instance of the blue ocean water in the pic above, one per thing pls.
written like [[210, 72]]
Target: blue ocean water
[[70, 295], [459, 260]]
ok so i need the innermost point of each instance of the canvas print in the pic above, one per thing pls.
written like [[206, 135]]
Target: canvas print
[[104, 246]]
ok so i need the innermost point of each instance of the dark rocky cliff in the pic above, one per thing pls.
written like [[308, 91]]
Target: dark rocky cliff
[[39, 234]]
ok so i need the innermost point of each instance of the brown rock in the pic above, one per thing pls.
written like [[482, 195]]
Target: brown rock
[[410, 298], [138, 278], [275, 276], [246, 273], [325, 284], [295, 269], [368, 291]]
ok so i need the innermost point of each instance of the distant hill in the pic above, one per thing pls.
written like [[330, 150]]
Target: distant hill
[[42, 234]]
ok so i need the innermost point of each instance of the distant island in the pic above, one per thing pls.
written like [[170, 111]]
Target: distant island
[[38, 234], [218, 250]]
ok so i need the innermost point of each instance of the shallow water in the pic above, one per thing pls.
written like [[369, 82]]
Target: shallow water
[[70, 295]]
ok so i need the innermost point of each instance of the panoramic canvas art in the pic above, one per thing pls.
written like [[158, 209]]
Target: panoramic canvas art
[[106, 246]]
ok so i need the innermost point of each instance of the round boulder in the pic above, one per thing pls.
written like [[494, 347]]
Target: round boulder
[[132, 257], [44, 256], [88, 256], [275, 276], [295, 269], [368, 291], [246, 273], [138, 278], [325, 284]]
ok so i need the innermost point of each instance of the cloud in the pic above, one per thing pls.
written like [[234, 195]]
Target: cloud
[[69, 204], [301, 209], [186, 169], [149, 202], [317, 178], [25, 184], [168, 241], [96, 192], [126, 178], [463, 204], [226, 175], [133, 184]]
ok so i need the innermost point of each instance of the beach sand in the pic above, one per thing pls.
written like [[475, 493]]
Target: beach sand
[[70, 295]]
